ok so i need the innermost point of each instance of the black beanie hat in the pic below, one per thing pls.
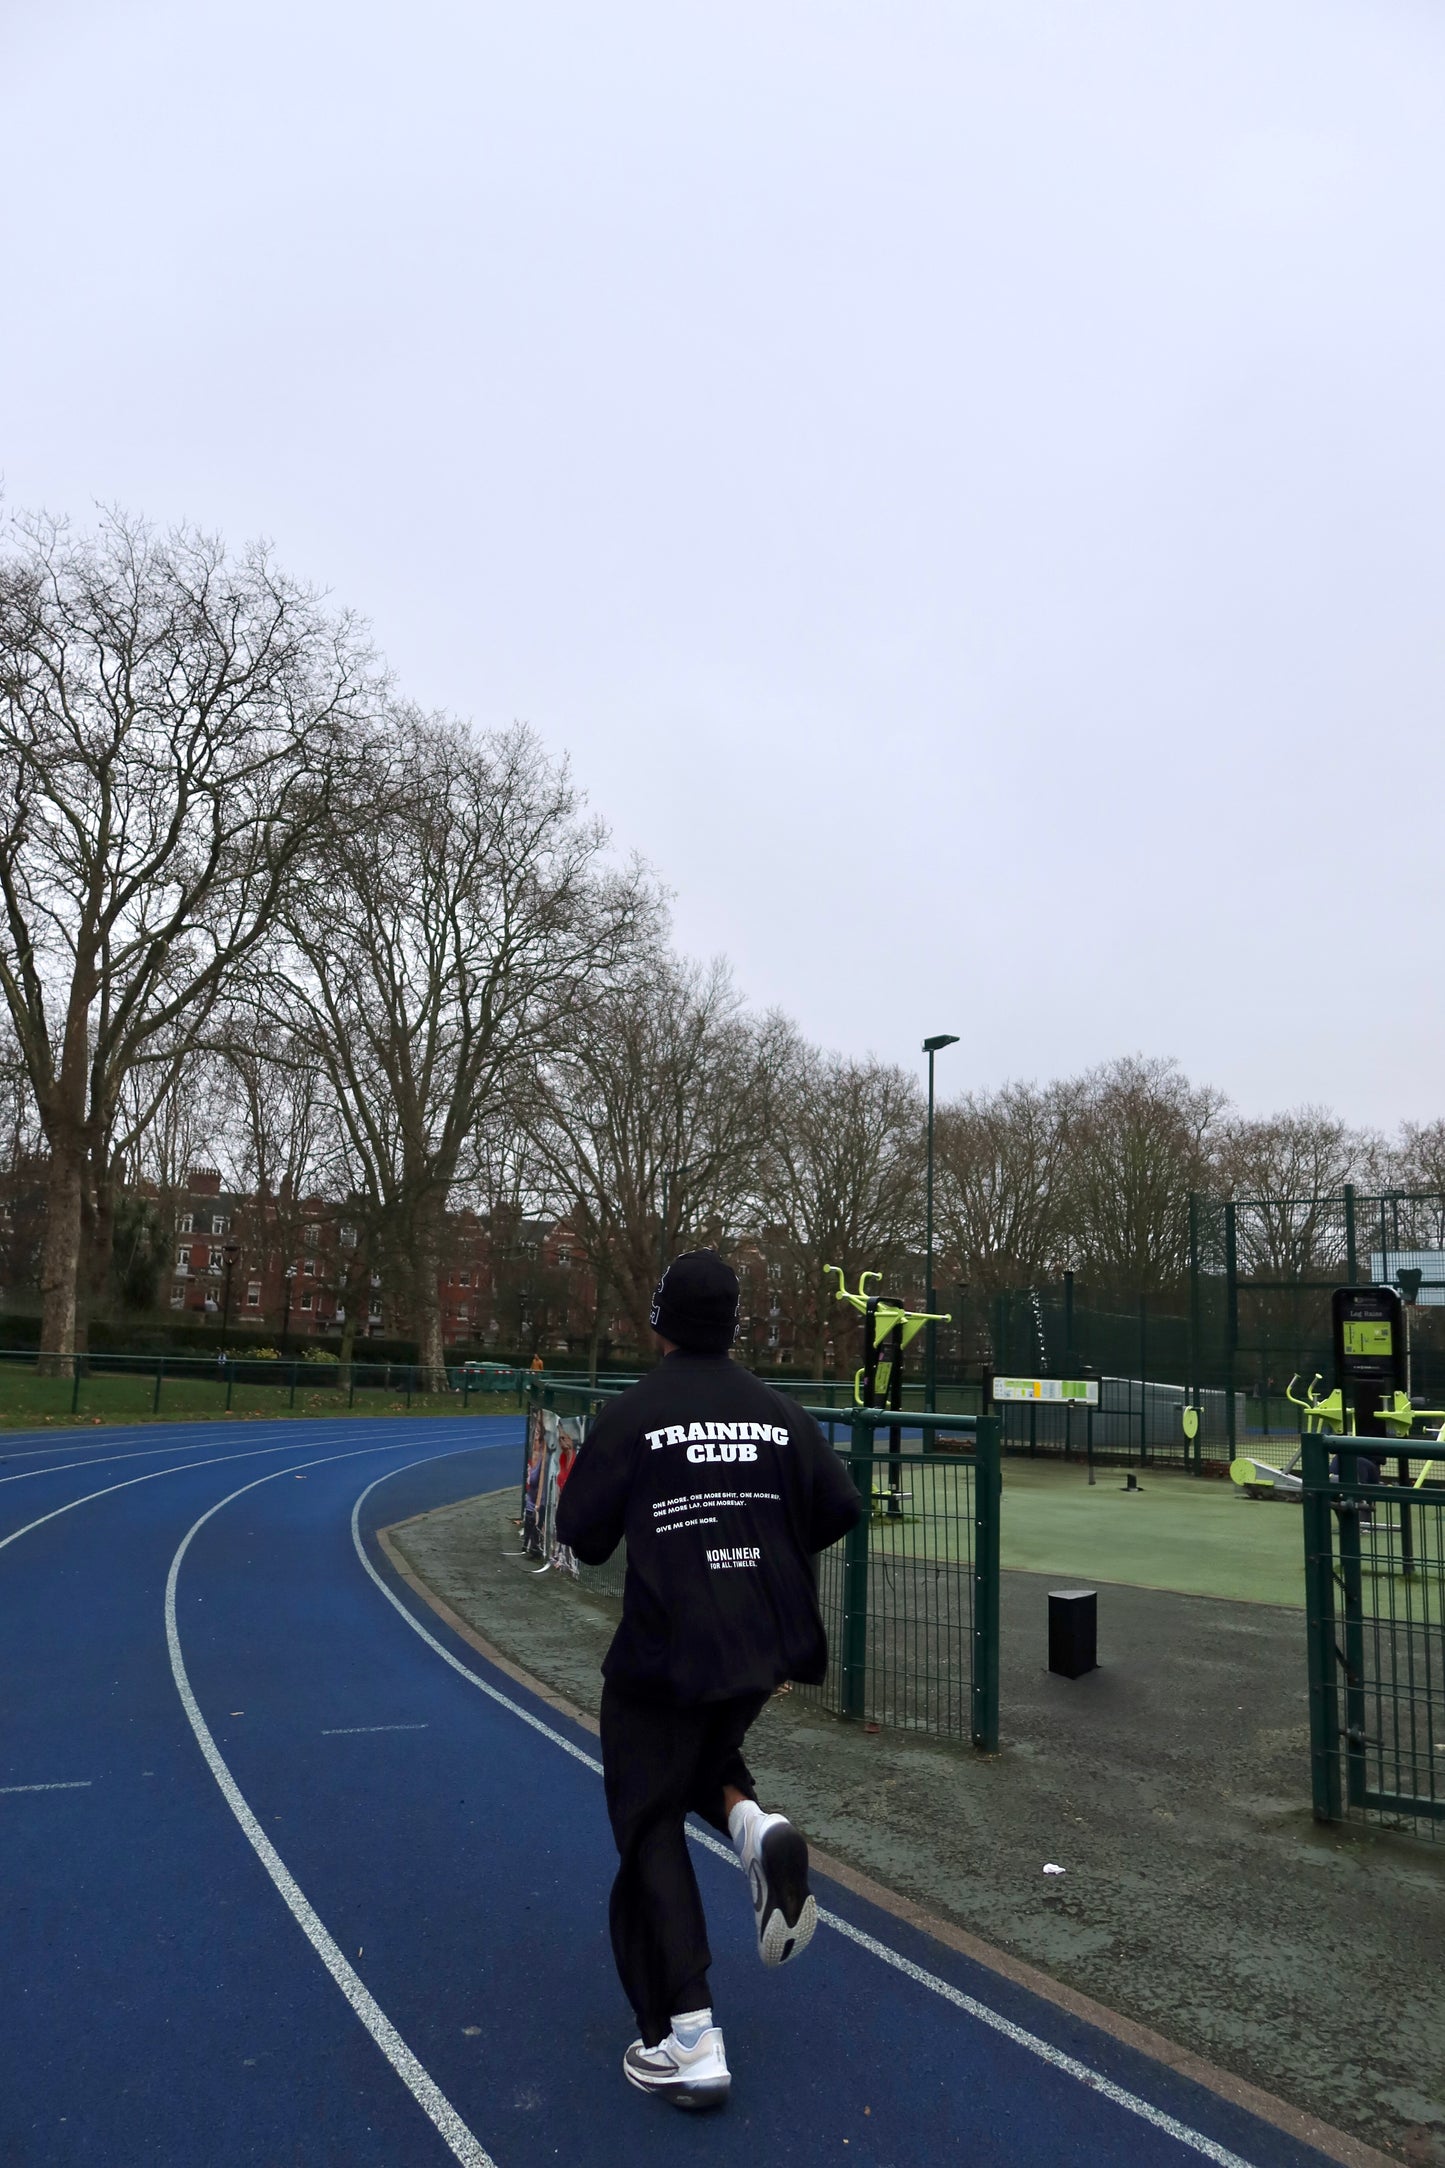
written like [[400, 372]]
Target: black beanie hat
[[695, 1304]]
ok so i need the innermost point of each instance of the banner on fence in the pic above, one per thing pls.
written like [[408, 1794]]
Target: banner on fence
[[553, 1442]]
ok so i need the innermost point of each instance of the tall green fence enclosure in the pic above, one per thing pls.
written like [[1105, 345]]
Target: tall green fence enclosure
[[1375, 1615]]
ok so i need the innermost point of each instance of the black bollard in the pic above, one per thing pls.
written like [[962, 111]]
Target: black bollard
[[1073, 1631]]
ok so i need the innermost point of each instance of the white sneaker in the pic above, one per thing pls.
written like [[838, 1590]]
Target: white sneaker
[[695, 2077], [775, 1861]]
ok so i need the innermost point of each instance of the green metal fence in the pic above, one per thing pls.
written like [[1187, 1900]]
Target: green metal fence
[[909, 1597], [1375, 1606], [129, 1388]]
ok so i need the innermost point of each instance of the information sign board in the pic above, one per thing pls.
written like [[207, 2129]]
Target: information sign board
[[1084, 1392]]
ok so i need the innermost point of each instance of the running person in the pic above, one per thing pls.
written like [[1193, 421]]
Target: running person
[[724, 1490]]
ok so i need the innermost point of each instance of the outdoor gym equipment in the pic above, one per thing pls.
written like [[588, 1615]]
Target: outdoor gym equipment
[[887, 1329], [1321, 1413]]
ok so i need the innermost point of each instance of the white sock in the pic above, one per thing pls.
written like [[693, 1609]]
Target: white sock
[[740, 1821], [689, 2027]]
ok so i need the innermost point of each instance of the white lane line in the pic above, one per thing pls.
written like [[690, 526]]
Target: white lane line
[[1132, 2103], [131, 1481], [80, 1784], [354, 1731], [418, 2080], [93, 1460], [313, 1428], [286, 1445]]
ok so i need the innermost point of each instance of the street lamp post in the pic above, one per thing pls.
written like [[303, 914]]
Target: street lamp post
[[286, 1321], [930, 1358], [232, 1252]]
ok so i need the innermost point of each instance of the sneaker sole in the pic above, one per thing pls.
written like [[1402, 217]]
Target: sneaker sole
[[788, 1914], [704, 2093]]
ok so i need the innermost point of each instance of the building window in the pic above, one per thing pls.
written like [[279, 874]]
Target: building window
[[347, 1238], [253, 1295], [376, 1279], [376, 1306], [310, 1236], [462, 1315], [220, 1225], [466, 1279], [309, 1268], [184, 1224], [307, 1299], [183, 1258], [178, 1297]]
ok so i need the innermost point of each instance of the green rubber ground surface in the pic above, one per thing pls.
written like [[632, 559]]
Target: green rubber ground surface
[[1198, 1536], [1195, 1536]]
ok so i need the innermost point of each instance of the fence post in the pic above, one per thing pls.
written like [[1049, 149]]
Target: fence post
[[466, 1389], [409, 1368], [351, 1385], [856, 1545], [987, 1512], [1352, 1589], [1352, 1264], [230, 1382], [1320, 1632], [292, 1402], [160, 1373], [1231, 1323], [77, 1365]]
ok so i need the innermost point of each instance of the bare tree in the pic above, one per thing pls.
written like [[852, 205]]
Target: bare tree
[[655, 1120], [458, 925], [1292, 1168], [170, 719], [1000, 1187], [843, 1179], [1139, 1142]]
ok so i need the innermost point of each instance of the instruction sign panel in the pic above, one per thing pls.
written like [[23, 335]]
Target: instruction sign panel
[[1369, 1328], [1084, 1391]]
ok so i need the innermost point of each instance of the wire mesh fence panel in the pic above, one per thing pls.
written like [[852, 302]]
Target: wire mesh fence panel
[[1375, 1593], [917, 1651]]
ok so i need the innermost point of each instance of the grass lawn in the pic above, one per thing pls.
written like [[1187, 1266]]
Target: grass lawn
[[28, 1402]]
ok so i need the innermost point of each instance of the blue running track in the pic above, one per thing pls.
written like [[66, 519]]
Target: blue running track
[[291, 1876]]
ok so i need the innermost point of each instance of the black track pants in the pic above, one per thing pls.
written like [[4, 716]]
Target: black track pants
[[658, 1765]]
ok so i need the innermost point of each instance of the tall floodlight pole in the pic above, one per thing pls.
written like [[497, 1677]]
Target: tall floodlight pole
[[930, 1356]]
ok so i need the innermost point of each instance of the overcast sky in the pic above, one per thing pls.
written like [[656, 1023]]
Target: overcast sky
[[963, 482]]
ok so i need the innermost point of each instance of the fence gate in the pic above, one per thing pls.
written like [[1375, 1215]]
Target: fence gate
[[1375, 1601]]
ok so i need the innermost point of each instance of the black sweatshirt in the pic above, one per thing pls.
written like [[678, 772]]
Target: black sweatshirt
[[723, 1489]]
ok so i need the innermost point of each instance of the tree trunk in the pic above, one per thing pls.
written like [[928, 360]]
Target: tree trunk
[[97, 1219], [60, 1259], [426, 1306], [348, 1345], [594, 1348]]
